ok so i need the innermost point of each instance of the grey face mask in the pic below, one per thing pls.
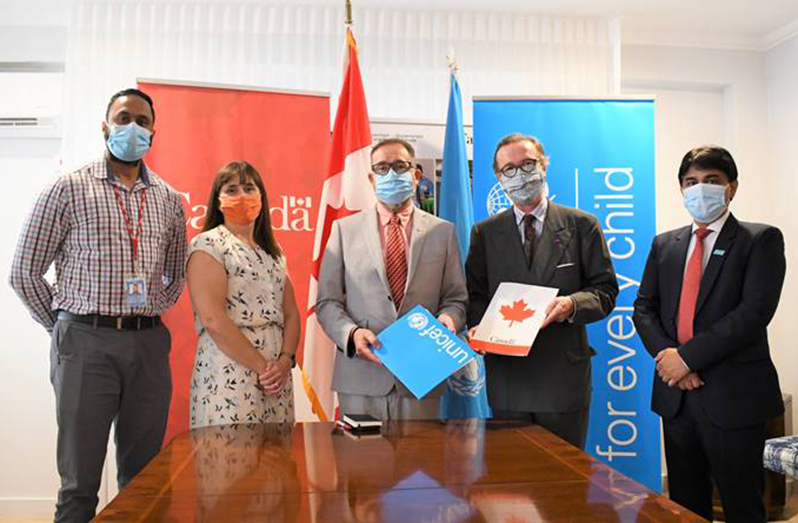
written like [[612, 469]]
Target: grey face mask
[[524, 188]]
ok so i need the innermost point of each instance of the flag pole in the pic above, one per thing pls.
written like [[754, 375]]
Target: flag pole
[[451, 61], [348, 5]]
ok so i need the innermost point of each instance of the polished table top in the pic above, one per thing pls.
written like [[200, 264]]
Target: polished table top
[[463, 470]]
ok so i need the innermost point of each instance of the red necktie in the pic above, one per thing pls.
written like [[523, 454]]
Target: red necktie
[[396, 261], [690, 286]]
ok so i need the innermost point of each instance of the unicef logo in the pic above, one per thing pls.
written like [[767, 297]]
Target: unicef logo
[[497, 200], [417, 321]]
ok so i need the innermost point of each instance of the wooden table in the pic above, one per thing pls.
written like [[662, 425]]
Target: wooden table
[[465, 470]]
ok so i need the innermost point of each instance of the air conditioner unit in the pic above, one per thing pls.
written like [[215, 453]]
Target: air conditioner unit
[[30, 127]]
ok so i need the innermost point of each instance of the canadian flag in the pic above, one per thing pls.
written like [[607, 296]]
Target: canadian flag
[[346, 191]]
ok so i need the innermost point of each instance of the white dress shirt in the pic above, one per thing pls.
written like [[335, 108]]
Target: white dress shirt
[[709, 241], [538, 212]]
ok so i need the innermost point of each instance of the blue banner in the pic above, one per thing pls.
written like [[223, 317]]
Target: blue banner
[[602, 161]]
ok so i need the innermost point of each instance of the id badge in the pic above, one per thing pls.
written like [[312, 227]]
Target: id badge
[[136, 291]]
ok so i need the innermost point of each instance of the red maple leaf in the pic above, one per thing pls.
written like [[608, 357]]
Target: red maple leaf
[[518, 312]]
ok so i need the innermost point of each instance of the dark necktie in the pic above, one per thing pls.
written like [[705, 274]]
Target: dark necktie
[[690, 286], [529, 239]]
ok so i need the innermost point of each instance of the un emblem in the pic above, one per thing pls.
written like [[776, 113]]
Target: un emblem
[[417, 321], [469, 380], [497, 200]]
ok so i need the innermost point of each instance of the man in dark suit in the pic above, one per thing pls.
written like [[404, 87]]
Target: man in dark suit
[[708, 293], [538, 242]]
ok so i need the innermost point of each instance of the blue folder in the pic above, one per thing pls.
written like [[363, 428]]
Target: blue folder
[[421, 352]]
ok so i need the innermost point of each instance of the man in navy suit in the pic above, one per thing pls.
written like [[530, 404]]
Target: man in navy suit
[[708, 293]]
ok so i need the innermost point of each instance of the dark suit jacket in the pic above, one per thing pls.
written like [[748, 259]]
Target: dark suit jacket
[[570, 254], [738, 296]]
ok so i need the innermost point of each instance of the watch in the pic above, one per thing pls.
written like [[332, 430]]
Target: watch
[[291, 357]]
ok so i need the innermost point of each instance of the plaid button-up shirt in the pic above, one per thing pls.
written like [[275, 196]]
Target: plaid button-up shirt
[[78, 224]]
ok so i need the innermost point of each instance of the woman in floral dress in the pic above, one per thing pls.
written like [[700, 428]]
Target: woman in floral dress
[[245, 313]]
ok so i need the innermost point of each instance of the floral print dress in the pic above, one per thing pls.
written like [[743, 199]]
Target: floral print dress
[[222, 390]]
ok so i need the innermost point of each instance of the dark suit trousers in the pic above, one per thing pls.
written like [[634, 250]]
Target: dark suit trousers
[[570, 426], [697, 452], [103, 376]]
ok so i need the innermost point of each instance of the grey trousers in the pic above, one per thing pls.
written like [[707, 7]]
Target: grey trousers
[[102, 376], [393, 406]]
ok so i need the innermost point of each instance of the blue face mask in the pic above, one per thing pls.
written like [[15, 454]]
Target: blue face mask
[[128, 142], [392, 188], [705, 202]]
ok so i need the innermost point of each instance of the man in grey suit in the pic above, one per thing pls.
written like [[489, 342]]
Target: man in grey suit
[[538, 242], [379, 264]]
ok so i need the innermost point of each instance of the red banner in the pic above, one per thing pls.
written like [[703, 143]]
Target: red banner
[[285, 136]]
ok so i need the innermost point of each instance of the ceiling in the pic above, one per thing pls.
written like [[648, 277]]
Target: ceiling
[[734, 24]]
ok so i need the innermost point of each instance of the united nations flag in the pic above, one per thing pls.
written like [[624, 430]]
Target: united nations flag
[[465, 395]]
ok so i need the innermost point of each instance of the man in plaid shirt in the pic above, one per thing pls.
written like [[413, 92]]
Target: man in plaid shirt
[[116, 233]]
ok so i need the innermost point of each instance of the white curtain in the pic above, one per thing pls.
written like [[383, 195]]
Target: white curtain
[[287, 46]]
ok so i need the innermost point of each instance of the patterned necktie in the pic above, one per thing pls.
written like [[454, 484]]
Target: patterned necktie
[[690, 286], [529, 238], [396, 261]]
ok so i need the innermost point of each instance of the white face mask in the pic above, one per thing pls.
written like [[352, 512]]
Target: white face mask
[[705, 202]]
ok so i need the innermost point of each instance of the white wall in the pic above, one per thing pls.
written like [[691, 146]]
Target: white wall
[[28, 479], [740, 77], [757, 91], [782, 184]]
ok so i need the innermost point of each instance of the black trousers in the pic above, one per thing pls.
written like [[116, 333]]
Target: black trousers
[[697, 452], [570, 426]]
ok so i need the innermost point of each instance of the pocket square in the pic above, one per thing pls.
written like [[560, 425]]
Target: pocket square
[[564, 265], [718, 252]]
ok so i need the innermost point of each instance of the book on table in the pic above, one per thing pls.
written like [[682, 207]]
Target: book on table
[[361, 422]]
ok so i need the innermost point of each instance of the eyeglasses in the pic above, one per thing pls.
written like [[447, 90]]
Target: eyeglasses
[[399, 167], [527, 167]]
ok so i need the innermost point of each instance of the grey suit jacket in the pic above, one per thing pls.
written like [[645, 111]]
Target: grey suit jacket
[[570, 254], [354, 292]]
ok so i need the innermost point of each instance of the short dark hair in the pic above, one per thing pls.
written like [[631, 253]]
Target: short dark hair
[[515, 138], [709, 157], [130, 92], [395, 141], [242, 172]]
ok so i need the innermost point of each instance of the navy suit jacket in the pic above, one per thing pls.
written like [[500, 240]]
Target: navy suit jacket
[[739, 293]]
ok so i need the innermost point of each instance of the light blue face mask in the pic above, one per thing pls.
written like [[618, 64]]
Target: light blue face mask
[[705, 202], [392, 188], [128, 142], [524, 188]]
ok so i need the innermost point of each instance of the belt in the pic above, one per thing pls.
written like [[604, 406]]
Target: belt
[[120, 323]]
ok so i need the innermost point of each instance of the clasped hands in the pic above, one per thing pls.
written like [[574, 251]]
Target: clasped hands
[[365, 339], [275, 375], [672, 369]]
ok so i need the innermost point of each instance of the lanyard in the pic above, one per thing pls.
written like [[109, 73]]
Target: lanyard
[[134, 239]]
